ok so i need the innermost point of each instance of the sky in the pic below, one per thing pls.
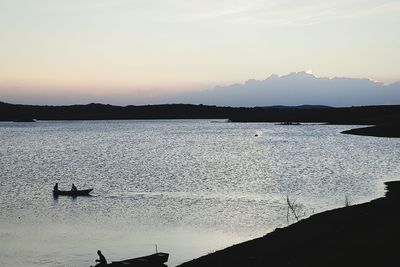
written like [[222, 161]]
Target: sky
[[134, 51]]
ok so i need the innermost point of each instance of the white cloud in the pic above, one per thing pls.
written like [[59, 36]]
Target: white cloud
[[298, 89]]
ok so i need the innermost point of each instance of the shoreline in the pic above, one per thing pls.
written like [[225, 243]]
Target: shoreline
[[385, 117], [365, 234]]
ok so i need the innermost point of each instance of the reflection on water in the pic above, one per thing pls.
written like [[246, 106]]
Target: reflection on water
[[189, 186]]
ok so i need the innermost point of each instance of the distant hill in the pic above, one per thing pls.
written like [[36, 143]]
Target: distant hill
[[96, 111], [364, 115]]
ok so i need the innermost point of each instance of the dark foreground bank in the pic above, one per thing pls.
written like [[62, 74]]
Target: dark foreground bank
[[361, 235]]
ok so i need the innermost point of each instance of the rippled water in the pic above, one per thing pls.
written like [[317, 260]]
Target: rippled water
[[189, 186]]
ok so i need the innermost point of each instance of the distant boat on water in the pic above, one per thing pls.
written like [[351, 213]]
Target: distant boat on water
[[288, 123], [84, 192], [220, 121]]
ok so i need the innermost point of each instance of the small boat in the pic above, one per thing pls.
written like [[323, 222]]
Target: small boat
[[72, 193], [153, 260]]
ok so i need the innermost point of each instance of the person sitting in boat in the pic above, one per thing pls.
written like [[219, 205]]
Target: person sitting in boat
[[73, 188], [102, 260], [55, 188]]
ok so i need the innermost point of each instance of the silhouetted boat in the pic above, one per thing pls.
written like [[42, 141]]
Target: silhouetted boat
[[72, 193], [153, 260]]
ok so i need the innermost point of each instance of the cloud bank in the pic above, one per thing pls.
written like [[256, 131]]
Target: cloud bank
[[297, 88]]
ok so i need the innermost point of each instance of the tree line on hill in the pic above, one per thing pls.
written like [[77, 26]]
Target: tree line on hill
[[363, 115]]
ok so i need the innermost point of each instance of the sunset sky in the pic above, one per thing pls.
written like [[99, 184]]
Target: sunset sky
[[128, 51]]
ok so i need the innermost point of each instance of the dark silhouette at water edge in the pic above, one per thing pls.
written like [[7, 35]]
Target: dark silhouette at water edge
[[386, 130], [102, 262], [361, 235], [25, 120]]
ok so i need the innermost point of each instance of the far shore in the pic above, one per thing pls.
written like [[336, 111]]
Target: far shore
[[366, 234], [362, 115]]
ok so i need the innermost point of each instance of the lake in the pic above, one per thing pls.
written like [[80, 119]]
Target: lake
[[188, 186]]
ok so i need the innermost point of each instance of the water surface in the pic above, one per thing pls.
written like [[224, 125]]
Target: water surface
[[189, 186]]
